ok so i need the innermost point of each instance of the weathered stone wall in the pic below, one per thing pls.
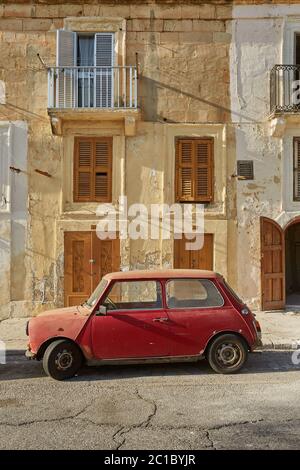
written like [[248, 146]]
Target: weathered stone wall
[[259, 41], [183, 56]]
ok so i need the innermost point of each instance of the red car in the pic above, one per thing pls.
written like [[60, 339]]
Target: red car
[[147, 316]]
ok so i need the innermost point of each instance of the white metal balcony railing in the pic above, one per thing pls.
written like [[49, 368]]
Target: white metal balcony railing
[[92, 87], [284, 89]]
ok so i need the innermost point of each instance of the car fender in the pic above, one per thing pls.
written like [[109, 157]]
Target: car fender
[[216, 334]]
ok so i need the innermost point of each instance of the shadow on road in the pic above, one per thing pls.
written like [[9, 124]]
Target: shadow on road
[[18, 367]]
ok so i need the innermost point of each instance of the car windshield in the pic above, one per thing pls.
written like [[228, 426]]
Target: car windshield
[[96, 294]]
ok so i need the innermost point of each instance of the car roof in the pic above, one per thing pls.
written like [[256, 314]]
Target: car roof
[[162, 274]]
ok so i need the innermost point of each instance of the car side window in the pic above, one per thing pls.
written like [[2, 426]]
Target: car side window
[[134, 295], [192, 293]]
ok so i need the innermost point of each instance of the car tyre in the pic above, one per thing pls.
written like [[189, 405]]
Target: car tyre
[[62, 359], [227, 354]]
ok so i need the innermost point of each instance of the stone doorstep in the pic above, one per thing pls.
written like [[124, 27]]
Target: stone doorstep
[[279, 346]]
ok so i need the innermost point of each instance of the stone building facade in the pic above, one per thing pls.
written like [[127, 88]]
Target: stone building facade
[[100, 99]]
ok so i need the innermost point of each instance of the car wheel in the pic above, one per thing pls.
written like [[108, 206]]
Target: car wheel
[[62, 359], [227, 354]]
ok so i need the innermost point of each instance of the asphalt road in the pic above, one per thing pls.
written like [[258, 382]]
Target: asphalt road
[[182, 406]]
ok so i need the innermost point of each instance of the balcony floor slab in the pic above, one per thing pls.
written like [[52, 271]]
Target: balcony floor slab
[[59, 117]]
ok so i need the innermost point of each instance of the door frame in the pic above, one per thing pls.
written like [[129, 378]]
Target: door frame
[[294, 221]]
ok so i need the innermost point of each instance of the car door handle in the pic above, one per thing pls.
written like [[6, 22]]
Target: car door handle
[[161, 320]]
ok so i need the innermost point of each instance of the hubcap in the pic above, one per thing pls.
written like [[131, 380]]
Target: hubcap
[[64, 360], [228, 354]]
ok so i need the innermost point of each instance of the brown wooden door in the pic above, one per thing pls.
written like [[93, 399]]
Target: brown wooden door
[[87, 260], [272, 265], [194, 259], [106, 257]]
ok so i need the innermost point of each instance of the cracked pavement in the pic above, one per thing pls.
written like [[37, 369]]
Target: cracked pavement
[[178, 406]]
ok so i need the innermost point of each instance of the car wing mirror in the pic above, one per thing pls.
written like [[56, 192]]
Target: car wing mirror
[[102, 310]]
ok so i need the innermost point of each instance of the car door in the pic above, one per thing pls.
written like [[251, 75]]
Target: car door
[[196, 309], [135, 324]]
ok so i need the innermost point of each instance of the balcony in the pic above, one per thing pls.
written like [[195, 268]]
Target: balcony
[[285, 89], [284, 98], [92, 94]]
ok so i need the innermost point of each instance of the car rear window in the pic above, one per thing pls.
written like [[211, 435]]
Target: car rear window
[[192, 293], [234, 294]]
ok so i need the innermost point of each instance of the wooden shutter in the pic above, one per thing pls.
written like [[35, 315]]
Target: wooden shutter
[[194, 170], [104, 57], [185, 169], [65, 57], [83, 170], [103, 162], [93, 169], [296, 169], [203, 170]]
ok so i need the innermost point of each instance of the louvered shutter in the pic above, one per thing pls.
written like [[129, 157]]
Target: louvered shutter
[[103, 162], [297, 170], [93, 169], [203, 170], [83, 170], [104, 57], [194, 170], [185, 170], [66, 57]]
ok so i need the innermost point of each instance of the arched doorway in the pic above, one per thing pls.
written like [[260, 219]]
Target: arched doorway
[[292, 264], [280, 265]]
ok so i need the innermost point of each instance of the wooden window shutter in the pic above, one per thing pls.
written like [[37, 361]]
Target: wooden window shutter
[[104, 49], [65, 57], [93, 169], [104, 57], [65, 48], [103, 164], [194, 170], [297, 169], [185, 170], [203, 170], [83, 170]]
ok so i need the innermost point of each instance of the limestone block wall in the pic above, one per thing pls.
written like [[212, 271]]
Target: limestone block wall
[[183, 54]]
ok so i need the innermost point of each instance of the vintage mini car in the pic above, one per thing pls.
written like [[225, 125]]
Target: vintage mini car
[[147, 316]]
